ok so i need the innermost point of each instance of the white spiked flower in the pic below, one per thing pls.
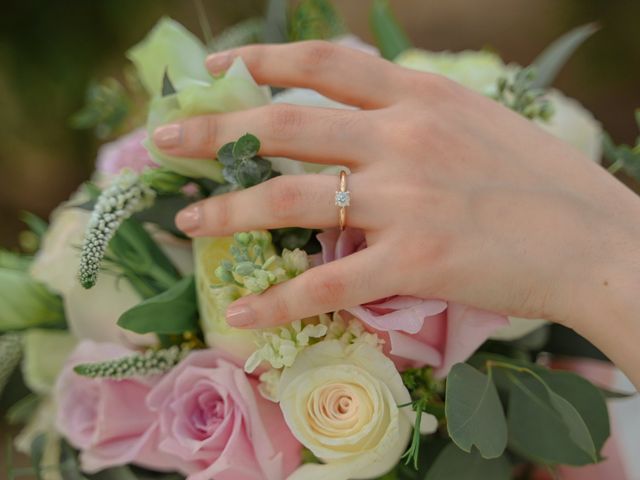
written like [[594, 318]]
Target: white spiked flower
[[126, 196], [151, 362]]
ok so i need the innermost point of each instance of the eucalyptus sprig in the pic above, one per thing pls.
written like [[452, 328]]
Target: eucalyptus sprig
[[624, 158], [243, 167], [520, 95]]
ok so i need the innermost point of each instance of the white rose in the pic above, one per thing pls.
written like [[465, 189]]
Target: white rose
[[91, 314], [574, 124], [477, 70], [341, 402]]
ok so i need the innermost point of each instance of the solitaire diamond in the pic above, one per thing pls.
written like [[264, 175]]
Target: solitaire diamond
[[343, 199]]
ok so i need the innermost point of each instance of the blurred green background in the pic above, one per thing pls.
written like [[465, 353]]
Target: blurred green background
[[51, 50]]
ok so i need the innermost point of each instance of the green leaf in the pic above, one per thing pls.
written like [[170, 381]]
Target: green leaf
[[174, 311], [225, 154], [253, 171], [36, 224], [21, 411], [116, 473], [167, 86], [315, 19], [275, 25], [245, 147], [37, 452], [545, 427], [389, 35], [474, 412], [587, 400], [553, 58], [454, 464]]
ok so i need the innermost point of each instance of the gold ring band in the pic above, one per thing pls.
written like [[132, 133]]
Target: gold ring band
[[343, 199]]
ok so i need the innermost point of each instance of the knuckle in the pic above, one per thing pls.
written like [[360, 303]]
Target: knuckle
[[278, 310], [220, 212], [325, 289], [284, 121], [316, 54], [283, 197]]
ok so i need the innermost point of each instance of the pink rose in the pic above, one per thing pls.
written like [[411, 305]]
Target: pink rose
[[418, 331], [107, 420], [212, 417], [125, 152]]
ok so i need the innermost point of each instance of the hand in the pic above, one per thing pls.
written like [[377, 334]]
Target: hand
[[460, 198]]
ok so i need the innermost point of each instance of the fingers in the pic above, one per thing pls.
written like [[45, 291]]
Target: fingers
[[344, 74], [286, 201], [320, 135], [337, 285]]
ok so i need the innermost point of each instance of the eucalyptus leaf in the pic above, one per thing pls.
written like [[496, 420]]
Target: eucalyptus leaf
[[553, 58], [474, 412], [389, 35], [253, 171], [546, 427], [454, 464], [245, 147], [173, 311], [225, 154]]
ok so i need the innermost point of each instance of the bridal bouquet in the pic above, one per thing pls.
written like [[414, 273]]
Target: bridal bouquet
[[117, 321]]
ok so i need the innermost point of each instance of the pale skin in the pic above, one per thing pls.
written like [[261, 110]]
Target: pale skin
[[460, 199]]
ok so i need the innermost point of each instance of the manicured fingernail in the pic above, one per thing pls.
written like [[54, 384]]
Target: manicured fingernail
[[240, 315], [167, 136], [218, 62], [189, 219]]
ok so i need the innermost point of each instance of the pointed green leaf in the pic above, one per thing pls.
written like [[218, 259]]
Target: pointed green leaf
[[474, 412], [167, 86], [454, 464], [545, 427], [275, 25], [552, 59], [389, 35], [174, 311]]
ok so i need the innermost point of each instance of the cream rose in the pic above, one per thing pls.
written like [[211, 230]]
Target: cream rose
[[341, 402]]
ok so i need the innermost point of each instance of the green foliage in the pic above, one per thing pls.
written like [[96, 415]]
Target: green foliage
[[10, 354], [151, 362], [275, 23], [474, 412], [552, 418], [519, 94], [21, 412], [140, 259], [107, 106], [389, 35], [623, 157], [164, 180], [173, 311], [315, 19], [167, 85], [242, 166], [553, 58], [454, 464], [292, 238]]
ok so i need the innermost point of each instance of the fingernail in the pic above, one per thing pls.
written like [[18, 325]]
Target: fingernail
[[189, 219], [240, 315], [218, 62], [167, 136]]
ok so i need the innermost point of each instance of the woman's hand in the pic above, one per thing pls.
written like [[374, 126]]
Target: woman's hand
[[460, 198]]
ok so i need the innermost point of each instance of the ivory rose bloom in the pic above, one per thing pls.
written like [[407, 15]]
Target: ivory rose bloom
[[417, 332], [217, 425], [341, 401], [107, 420]]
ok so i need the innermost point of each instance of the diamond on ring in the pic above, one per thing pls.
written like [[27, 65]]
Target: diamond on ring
[[343, 199]]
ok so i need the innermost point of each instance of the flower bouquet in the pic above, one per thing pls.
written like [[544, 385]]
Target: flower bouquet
[[117, 320]]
